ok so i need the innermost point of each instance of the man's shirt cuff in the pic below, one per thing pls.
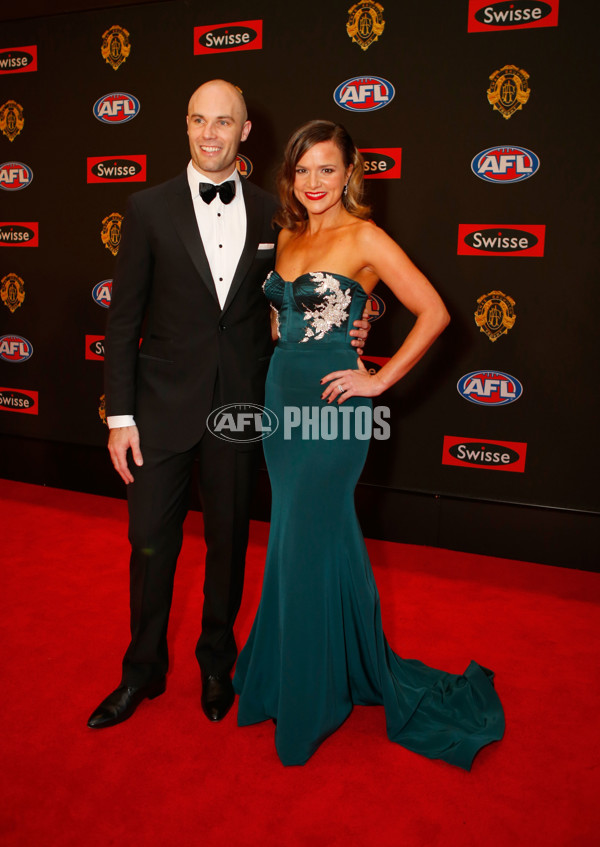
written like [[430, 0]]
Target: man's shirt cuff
[[116, 421]]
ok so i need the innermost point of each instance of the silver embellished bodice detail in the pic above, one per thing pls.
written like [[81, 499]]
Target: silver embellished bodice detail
[[316, 308]]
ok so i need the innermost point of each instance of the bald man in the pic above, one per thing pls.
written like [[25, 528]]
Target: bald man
[[194, 254]]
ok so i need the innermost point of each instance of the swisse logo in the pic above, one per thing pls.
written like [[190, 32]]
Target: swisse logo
[[94, 348], [102, 293], [364, 93], [14, 176], [374, 363], [489, 388], [19, 400], [17, 60], [505, 164], [15, 349], [116, 169], [501, 239], [515, 14], [382, 162], [375, 308], [116, 108], [221, 38], [19, 234], [242, 422], [478, 453]]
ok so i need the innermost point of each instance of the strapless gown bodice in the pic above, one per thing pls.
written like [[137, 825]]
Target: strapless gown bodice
[[316, 308]]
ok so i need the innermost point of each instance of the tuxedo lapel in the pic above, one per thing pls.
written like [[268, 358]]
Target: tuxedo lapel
[[181, 208], [252, 203]]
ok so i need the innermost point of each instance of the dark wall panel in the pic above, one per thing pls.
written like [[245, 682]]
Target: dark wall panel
[[441, 119]]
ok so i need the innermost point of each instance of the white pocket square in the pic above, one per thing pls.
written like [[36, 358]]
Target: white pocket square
[[266, 246]]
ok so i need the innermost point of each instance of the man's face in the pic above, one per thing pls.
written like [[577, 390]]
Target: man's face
[[216, 124]]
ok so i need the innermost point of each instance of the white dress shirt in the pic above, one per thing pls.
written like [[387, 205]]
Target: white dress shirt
[[223, 232]]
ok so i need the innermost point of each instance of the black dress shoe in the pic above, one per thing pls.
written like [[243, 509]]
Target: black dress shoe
[[123, 701], [217, 695]]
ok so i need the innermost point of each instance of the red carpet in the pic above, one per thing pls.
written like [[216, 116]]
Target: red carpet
[[168, 777]]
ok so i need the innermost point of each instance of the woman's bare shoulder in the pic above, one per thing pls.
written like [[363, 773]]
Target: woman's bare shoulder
[[284, 237]]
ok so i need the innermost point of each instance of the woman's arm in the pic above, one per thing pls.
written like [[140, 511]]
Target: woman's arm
[[389, 262]]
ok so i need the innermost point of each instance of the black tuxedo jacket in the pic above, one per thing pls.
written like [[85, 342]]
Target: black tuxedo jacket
[[163, 290]]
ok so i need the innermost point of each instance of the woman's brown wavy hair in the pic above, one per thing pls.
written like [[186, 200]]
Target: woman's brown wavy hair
[[292, 214]]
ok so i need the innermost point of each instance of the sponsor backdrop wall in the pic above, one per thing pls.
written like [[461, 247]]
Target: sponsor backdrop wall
[[474, 122]]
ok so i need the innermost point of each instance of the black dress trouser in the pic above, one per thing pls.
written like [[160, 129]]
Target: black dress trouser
[[158, 503]]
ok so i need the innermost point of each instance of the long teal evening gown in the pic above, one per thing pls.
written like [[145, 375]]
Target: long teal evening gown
[[317, 645]]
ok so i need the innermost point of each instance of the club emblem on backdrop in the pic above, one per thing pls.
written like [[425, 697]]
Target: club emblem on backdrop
[[12, 291], [116, 46], [111, 232], [102, 409], [11, 119], [509, 90], [495, 314], [365, 23]]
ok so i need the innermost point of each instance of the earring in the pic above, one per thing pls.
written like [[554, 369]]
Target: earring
[[345, 191]]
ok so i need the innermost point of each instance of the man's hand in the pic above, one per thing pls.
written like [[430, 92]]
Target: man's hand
[[120, 440], [360, 333]]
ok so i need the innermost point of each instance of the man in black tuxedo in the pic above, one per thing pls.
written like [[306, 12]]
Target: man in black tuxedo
[[194, 254]]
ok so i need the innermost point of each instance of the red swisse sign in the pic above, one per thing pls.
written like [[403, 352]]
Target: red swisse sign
[[19, 233], [94, 348], [501, 239], [116, 169], [382, 162], [18, 60], [228, 38], [511, 14], [19, 400], [481, 453], [374, 363]]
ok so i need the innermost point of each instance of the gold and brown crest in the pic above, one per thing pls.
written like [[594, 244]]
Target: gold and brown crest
[[102, 409], [116, 46], [12, 291], [111, 232], [495, 314], [11, 119], [509, 90], [365, 23]]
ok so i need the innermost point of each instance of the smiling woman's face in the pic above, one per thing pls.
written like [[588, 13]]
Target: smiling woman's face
[[320, 177]]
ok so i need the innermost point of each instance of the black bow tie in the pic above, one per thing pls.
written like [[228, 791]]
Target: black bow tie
[[226, 191]]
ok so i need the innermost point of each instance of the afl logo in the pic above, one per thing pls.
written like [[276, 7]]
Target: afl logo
[[505, 164], [244, 165], [116, 108], [364, 93], [102, 293], [489, 388], [14, 176], [15, 349], [375, 308], [242, 422]]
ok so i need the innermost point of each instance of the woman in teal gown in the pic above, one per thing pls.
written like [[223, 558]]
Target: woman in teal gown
[[317, 645]]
